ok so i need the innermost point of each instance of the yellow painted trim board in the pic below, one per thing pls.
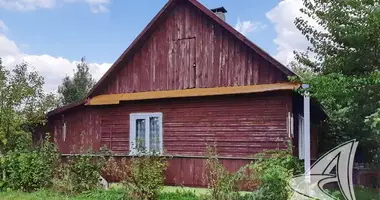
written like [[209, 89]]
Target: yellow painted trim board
[[110, 99]]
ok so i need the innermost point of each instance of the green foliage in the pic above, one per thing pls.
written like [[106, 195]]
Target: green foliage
[[223, 184], [76, 88], [38, 195], [112, 194], [351, 103], [146, 177], [30, 168], [361, 193], [178, 195], [119, 169], [342, 67], [61, 182], [273, 170], [373, 121], [346, 40], [82, 172], [102, 194], [23, 103]]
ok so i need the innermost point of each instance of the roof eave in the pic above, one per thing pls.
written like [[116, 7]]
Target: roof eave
[[66, 108]]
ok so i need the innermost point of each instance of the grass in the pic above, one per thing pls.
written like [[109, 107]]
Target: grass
[[171, 189], [113, 194], [13, 195], [196, 191], [168, 193], [361, 194]]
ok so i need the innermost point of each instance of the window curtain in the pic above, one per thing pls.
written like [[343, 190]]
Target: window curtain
[[154, 137], [140, 134], [301, 138]]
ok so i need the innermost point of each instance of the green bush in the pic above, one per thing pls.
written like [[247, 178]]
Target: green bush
[[61, 182], [117, 169], [146, 177], [29, 168], [273, 170], [3, 182], [223, 185], [82, 172]]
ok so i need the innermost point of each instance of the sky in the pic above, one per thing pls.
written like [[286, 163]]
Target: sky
[[52, 35]]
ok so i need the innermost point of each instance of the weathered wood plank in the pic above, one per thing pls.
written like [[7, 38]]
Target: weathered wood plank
[[220, 58], [225, 59]]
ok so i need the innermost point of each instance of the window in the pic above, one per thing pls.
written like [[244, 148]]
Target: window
[[290, 125], [64, 127], [301, 138], [145, 132], [64, 131]]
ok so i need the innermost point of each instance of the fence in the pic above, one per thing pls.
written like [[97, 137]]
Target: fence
[[367, 174]]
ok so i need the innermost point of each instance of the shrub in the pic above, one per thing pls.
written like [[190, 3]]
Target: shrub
[[3, 183], [30, 168], [273, 170], [146, 177], [78, 173], [223, 185], [61, 182], [82, 172], [117, 170]]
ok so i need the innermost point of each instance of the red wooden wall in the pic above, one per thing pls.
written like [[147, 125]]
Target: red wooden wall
[[185, 171], [186, 50], [82, 130], [193, 172], [241, 125]]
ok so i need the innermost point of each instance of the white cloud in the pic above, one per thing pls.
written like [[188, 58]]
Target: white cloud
[[53, 69], [245, 27], [26, 5], [96, 6], [3, 27], [289, 38]]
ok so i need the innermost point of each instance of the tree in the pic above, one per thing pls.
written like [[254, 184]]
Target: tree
[[23, 103], [342, 66], [346, 40], [76, 88]]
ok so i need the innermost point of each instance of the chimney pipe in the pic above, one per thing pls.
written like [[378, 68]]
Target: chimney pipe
[[220, 12]]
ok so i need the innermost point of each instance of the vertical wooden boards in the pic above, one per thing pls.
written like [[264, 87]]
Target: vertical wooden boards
[[187, 49]]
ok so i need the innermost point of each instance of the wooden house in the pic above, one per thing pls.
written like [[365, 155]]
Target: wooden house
[[190, 80]]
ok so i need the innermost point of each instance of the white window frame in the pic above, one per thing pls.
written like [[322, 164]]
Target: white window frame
[[132, 131], [64, 129], [290, 124], [301, 137]]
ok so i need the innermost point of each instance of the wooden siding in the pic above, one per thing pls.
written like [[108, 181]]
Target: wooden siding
[[186, 171], [82, 130], [192, 171], [241, 125], [189, 50]]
